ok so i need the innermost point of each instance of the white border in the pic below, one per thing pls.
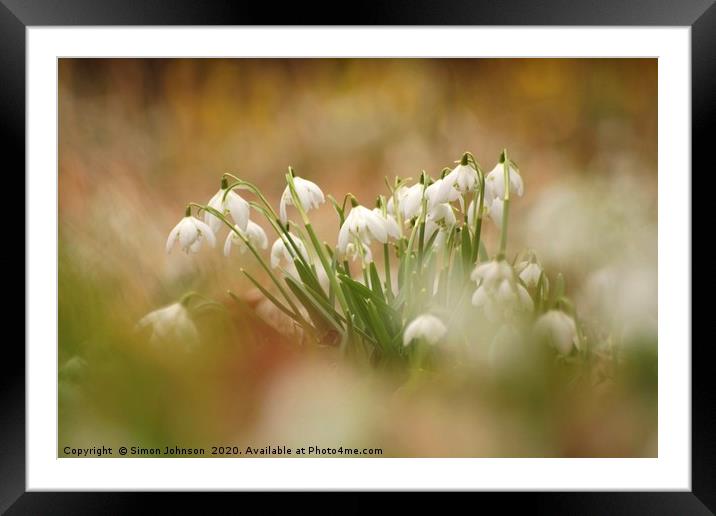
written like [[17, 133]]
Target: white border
[[670, 471]]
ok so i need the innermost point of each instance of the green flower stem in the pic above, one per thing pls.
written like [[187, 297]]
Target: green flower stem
[[505, 207], [251, 248], [478, 219], [386, 263]]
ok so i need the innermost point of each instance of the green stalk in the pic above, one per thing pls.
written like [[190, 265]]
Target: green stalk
[[478, 218], [505, 206], [386, 263]]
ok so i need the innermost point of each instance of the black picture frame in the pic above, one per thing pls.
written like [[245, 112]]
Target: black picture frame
[[700, 15]]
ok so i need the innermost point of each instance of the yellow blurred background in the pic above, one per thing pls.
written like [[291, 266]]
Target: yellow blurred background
[[138, 138]]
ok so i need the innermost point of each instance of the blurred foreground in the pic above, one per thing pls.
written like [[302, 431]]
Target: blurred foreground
[[140, 137]]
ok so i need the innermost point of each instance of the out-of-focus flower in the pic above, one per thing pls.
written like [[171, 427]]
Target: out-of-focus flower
[[170, 324], [529, 272], [426, 327], [364, 225], [495, 211], [408, 199], [491, 273], [391, 226], [190, 233], [437, 193], [254, 234], [232, 204], [308, 192], [498, 290], [282, 252], [495, 183], [559, 330]]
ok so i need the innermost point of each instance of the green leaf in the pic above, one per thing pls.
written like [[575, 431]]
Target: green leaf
[[375, 283]]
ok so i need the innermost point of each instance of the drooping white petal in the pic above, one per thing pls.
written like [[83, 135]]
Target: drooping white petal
[[496, 210], [188, 233], [216, 203], [257, 236], [525, 299], [530, 274], [173, 236], [495, 183], [410, 204], [426, 327], [228, 242], [238, 207], [343, 238], [559, 330], [205, 231]]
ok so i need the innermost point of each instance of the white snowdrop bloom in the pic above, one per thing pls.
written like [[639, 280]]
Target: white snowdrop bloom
[[496, 210], [233, 204], [170, 324], [364, 225], [391, 226], [190, 233], [442, 215], [254, 234], [524, 298], [462, 178], [529, 272], [308, 192], [282, 252], [409, 201], [559, 329], [426, 327], [490, 273], [495, 184], [480, 298], [440, 218], [436, 193]]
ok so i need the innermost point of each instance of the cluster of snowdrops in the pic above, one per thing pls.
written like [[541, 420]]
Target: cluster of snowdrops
[[434, 284]]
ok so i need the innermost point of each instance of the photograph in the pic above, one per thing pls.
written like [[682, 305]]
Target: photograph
[[357, 257]]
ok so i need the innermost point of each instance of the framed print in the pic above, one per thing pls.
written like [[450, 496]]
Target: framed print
[[443, 249]]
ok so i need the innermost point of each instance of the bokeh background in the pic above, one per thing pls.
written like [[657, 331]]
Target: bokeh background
[[138, 138]]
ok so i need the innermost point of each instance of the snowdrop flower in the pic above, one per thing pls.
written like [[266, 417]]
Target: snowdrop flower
[[364, 225], [190, 233], [254, 234], [529, 272], [498, 289], [491, 273], [282, 252], [495, 184], [441, 215], [426, 327], [391, 226], [170, 324], [437, 193], [409, 200], [233, 204], [511, 293], [308, 192], [462, 178], [496, 210], [559, 329], [440, 218]]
